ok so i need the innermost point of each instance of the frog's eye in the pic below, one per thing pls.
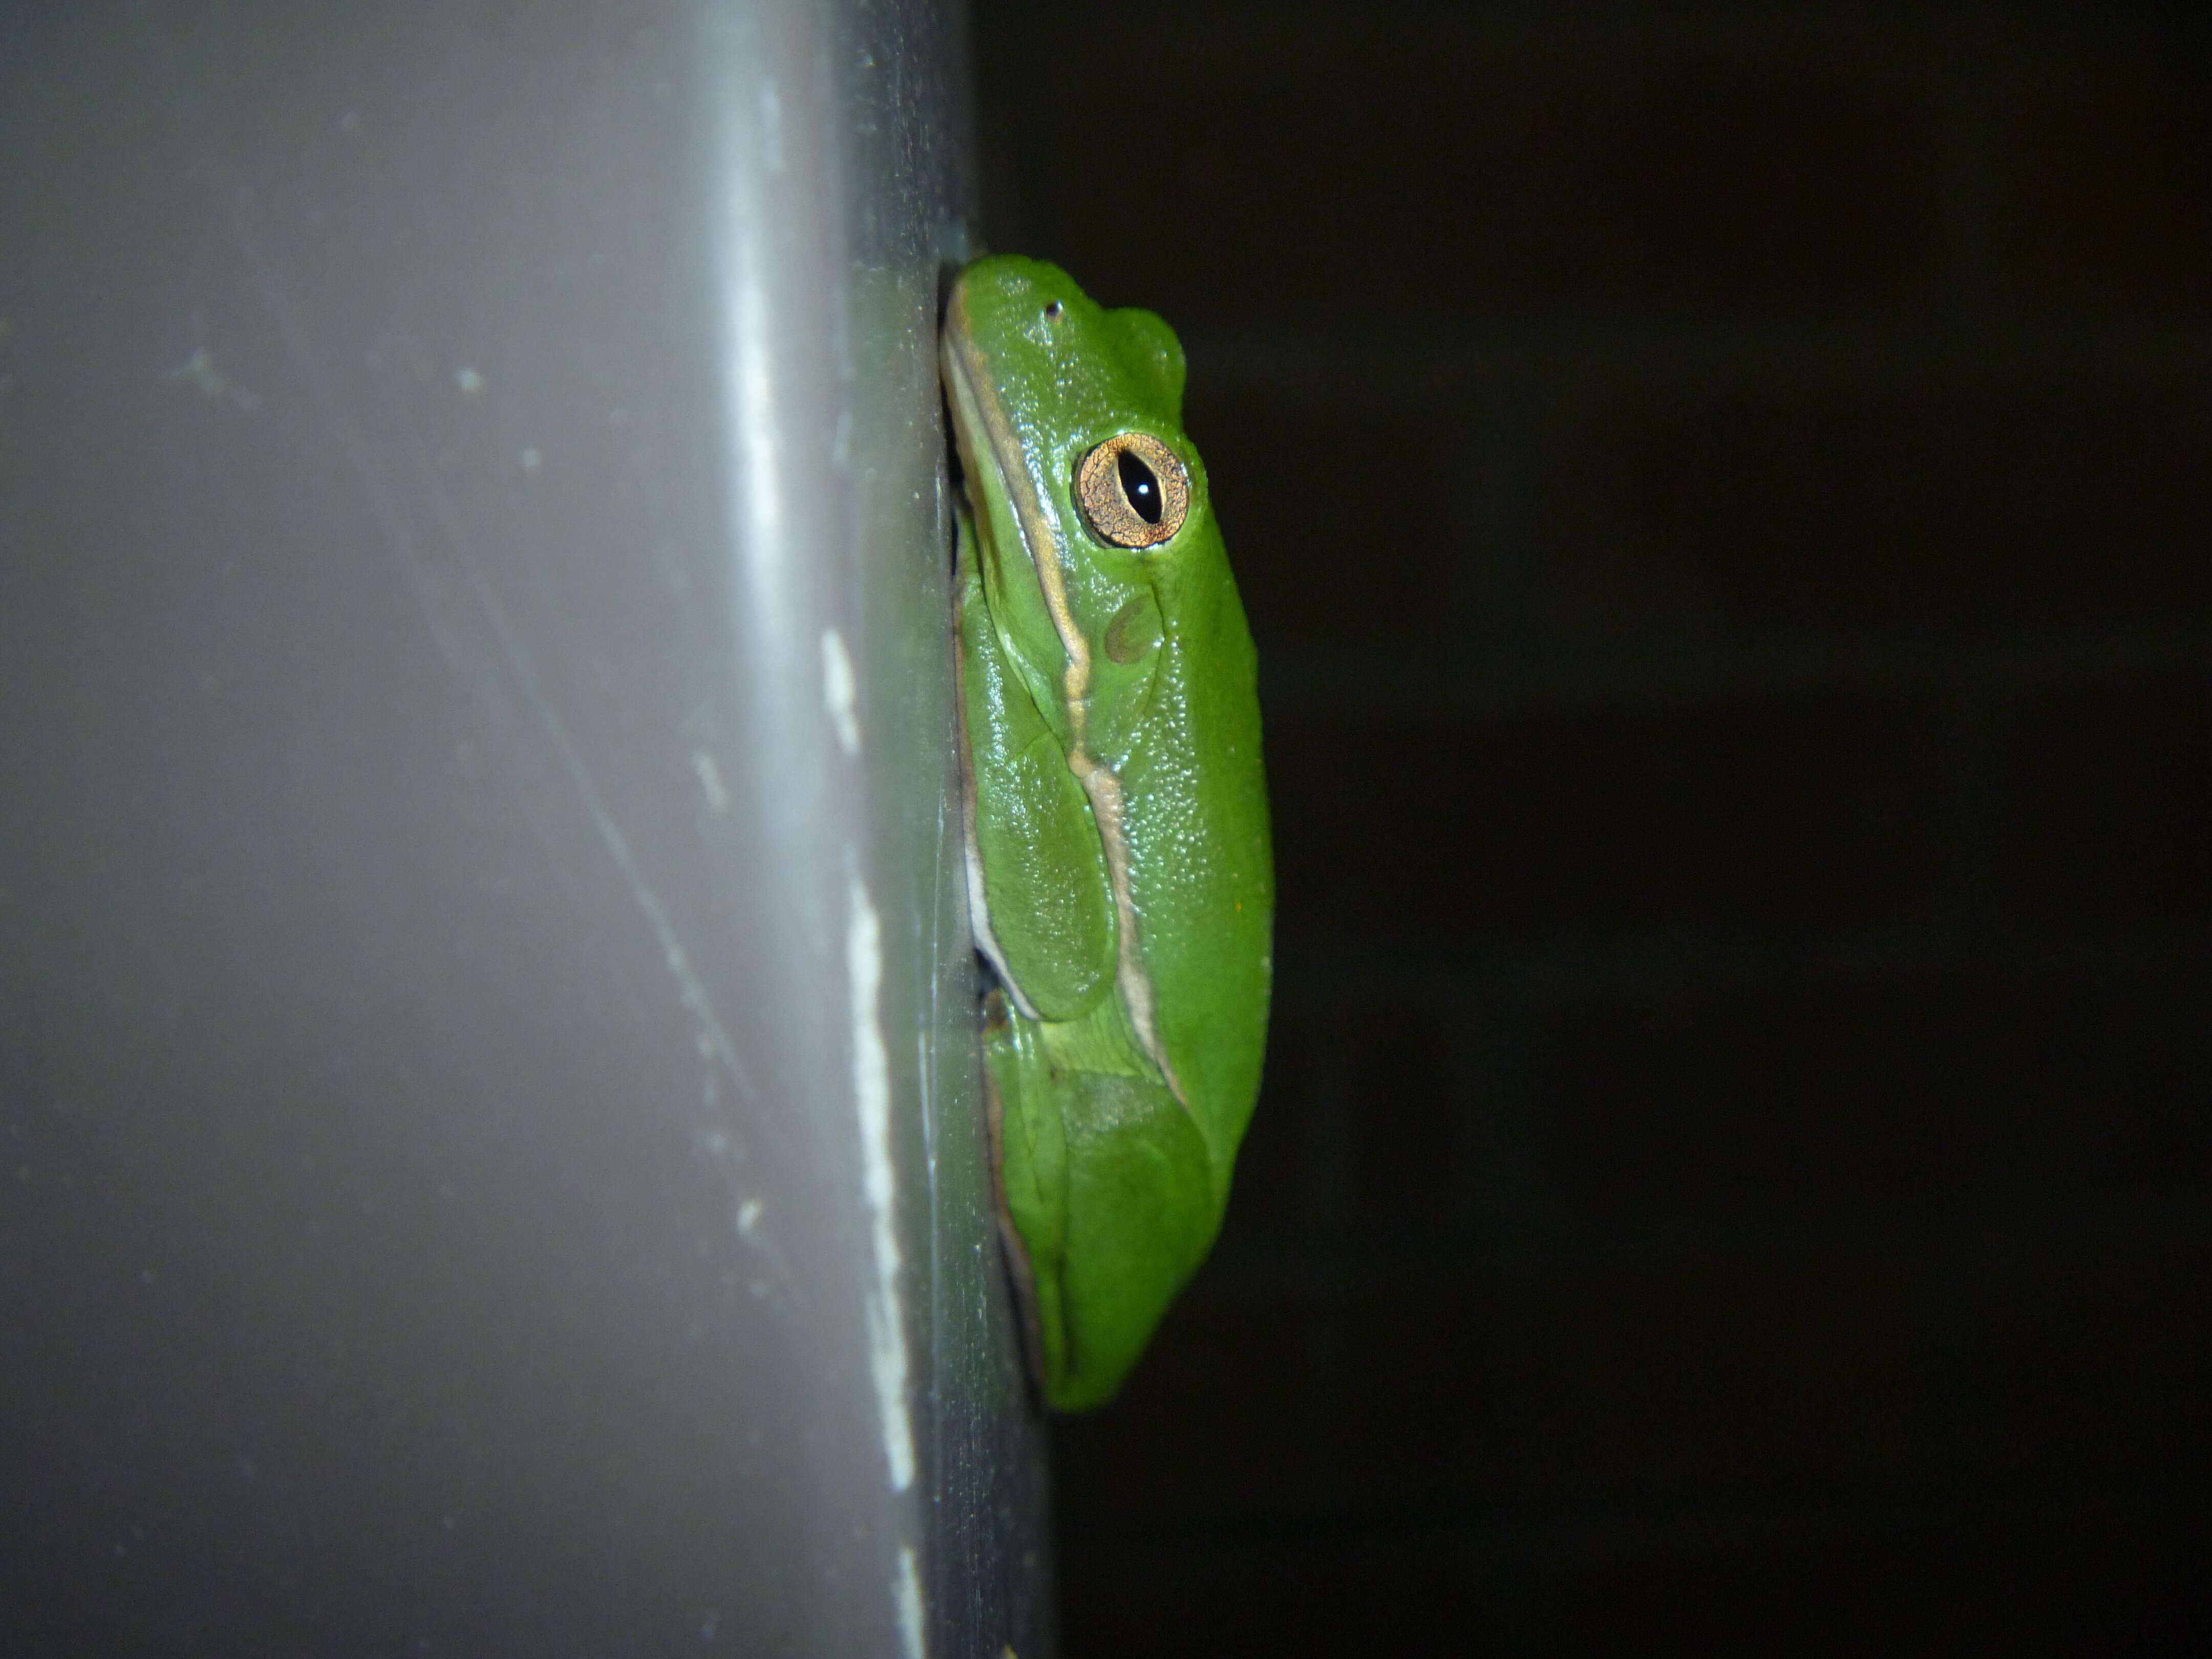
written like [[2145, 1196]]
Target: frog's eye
[[1133, 490]]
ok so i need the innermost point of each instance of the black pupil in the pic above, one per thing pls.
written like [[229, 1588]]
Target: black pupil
[[1139, 484]]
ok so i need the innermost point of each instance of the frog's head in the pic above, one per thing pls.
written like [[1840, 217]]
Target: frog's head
[[1070, 420]]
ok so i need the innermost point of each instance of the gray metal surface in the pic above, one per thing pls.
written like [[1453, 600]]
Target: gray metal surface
[[487, 1073]]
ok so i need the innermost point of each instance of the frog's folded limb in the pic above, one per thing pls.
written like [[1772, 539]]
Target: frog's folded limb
[[1038, 844]]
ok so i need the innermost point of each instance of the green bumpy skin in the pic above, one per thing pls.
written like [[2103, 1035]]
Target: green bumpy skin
[[1120, 873]]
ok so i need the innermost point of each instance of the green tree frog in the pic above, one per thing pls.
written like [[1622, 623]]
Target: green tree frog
[[1120, 877]]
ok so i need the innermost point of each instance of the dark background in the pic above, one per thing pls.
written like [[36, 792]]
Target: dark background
[[1721, 497]]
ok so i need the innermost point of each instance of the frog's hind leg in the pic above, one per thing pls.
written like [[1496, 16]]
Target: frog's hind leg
[[1141, 1213]]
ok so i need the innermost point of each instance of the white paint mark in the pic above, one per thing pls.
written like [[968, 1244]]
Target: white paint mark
[[840, 690], [199, 372], [533, 460], [749, 1216], [771, 108], [907, 1590], [872, 1091], [710, 781], [710, 1087], [469, 381]]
